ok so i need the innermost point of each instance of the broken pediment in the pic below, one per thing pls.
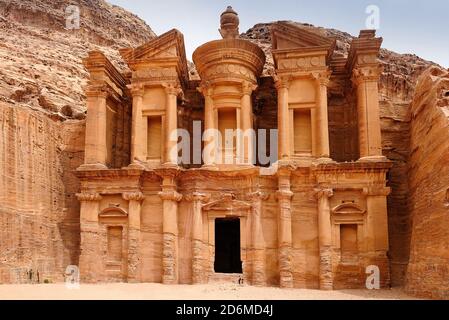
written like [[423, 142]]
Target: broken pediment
[[286, 35], [348, 209], [113, 212], [165, 51], [227, 203]]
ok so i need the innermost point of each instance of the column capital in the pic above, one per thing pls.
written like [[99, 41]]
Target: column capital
[[170, 195], [362, 74], [136, 196], [100, 90], [284, 195], [323, 192], [376, 191], [248, 88], [205, 88], [197, 196], [173, 89], [281, 82], [88, 196], [322, 77]]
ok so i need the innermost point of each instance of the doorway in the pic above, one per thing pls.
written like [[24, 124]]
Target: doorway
[[227, 246]]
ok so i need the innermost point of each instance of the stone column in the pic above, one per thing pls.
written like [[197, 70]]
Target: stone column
[[90, 263], [247, 123], [322, 81], [138, 136], [171, 137], [284, 196], [210, 146], [96, 147], [257, 239], [282, 86], [198, 247], [134, 240], [170, 199], [366, 81], [377, 244], [325, 238]]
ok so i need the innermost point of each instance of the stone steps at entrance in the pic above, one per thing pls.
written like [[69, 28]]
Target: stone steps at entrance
[[225, 278]]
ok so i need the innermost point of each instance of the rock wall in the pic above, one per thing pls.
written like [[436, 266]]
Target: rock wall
[[39, 217], [42, 104], [428, 270]]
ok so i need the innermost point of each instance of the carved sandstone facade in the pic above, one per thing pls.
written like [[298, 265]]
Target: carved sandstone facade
[[307, 221]]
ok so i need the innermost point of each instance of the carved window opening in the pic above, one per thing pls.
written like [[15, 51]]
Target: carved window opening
[[302, 132], [349, 243], [115, 240], [154, 138], [227, 123], [227, 246]]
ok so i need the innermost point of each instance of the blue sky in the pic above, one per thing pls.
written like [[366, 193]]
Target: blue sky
[[407, 26]]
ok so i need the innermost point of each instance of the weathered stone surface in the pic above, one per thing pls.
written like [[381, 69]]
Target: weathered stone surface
[[428, 268], [41, 83]]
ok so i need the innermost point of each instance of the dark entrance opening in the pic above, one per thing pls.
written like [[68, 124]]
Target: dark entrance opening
[[227, 246]]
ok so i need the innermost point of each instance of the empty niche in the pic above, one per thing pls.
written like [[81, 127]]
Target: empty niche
[[154, 138], [115, 234], [348, 243], [302, 131]]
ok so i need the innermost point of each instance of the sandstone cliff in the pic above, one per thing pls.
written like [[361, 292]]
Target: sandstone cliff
[[41, 89], [41, 136], [428, 270]]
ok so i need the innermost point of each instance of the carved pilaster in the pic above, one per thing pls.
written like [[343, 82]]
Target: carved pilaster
[[134, 238], [325, 239], [285, 238], [170, 200], [257, 240], [198, 245], [282, 85], [365, 79]]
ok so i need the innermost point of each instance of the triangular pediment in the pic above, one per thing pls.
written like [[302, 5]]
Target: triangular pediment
[[166, 50], [168, 45], [286, 35]]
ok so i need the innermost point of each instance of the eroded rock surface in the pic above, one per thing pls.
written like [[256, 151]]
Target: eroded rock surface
[[428, 268], [41, 136]]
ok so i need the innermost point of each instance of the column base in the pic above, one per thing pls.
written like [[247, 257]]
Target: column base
[[373, 159]]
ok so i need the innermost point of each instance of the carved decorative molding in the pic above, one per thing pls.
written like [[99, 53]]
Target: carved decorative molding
[[136, 196], [170, 196], [258, 196], [303, 63], [88, 196], [230, 70]]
